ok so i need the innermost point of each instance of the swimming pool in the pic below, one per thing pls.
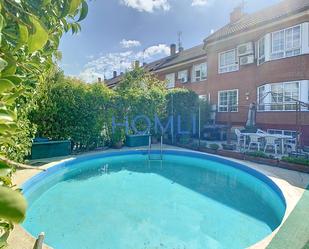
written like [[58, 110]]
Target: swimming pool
[[122, 200]]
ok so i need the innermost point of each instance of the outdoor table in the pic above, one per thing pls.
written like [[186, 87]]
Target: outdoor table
[[262, 135]]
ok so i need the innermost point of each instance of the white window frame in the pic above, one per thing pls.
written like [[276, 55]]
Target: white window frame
[[267, 106], [169, 82], [230, 67], [226, 106], [198, 67], [261, 58], [261, 106], [280, 54], [183, 79]]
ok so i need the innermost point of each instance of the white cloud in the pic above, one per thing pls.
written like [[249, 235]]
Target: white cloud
[[120, 61], [129, 43], [147, 5], [199, 2], [155, 50]]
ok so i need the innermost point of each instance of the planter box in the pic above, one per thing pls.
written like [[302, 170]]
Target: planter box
[[293, 166], [261, 160], [231, 154], [186, 146], [137, 140], [50, 149], [208, 150]]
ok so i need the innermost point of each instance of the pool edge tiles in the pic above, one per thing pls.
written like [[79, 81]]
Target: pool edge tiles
[[67, 166], [38, 177]]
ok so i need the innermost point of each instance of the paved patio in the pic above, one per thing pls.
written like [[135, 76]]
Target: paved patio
[[295, 231]]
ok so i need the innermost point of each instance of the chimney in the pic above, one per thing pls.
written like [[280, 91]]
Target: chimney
[[180, 49], [136, 64], [114, 74], [237, 14], [99, 79], [173, 49]]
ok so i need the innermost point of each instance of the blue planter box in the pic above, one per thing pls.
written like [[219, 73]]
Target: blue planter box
[[47, 149], [137, 140]]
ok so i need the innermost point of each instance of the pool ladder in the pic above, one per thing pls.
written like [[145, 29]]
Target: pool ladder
[[161, 150]]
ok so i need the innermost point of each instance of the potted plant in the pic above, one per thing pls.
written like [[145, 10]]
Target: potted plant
[[155, 139], [118, 139]]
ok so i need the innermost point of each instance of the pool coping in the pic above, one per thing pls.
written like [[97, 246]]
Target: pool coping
[[290, 183]]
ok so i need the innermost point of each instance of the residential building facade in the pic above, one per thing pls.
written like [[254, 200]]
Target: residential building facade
[[260, 58], [263, 58]]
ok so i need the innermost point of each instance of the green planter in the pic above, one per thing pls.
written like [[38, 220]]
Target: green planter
[[49, 149], [137, 140]]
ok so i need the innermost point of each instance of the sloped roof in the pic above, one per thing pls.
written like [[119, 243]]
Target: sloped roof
[[185, 55], [276, 12], [152, 66]]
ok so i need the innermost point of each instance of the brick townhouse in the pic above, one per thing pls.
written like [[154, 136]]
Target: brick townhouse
[[260, 58]]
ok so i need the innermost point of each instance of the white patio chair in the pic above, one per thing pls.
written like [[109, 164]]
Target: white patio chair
[[254, 140], [259, 131], [290, 145], [271, 142], [240, 138]]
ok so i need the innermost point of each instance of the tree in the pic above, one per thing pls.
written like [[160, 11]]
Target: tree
[[30, 31], [141, 93]]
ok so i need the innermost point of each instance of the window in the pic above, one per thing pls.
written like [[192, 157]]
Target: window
[[286, 43], [261, 97], [183, 76], [170, 80], [291, 94], [279, 97], [261, 51], [199, 72], [228, 61], [228, 100]]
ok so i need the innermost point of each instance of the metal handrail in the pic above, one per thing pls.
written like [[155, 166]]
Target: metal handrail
[[39, 241], [149, 147], [161, 148]]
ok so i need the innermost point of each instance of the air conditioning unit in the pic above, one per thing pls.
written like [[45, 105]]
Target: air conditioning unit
[[245, 60], [245, 49]]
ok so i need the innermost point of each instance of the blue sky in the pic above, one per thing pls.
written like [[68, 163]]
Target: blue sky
[[116, 32]]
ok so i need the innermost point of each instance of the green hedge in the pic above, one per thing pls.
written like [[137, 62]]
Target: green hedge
[[296, 160], [71, 109]]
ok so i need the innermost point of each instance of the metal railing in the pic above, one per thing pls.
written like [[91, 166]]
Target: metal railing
[[150, 147], [39, 241]]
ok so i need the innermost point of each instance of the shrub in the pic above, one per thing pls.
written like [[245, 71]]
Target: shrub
[[214, 146], [259, 154], [296, 160], [71, 109]]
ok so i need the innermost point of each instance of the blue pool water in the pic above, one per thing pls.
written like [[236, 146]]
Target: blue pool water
[[188, 201]]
